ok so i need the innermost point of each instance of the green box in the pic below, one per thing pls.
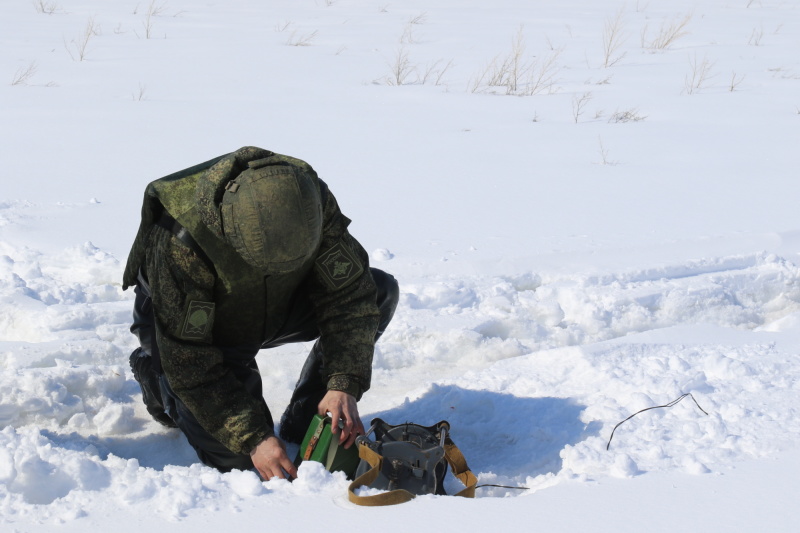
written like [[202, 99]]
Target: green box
[[322, 446]]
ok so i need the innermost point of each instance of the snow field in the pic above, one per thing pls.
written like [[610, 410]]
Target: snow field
[[623, 236], [532, 373]]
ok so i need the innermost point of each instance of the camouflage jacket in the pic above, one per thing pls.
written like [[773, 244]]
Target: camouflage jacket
[[190, 299]]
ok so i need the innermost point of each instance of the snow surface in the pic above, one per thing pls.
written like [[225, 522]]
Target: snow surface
[[603, 239]]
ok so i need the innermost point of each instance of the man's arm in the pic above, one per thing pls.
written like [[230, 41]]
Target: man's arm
[[181, 284], [344, 297]]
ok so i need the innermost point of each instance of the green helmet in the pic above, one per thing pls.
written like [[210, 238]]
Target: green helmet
[[272, 216]]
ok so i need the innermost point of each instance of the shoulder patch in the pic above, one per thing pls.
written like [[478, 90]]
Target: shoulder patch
[[339, 266], [199, 318]]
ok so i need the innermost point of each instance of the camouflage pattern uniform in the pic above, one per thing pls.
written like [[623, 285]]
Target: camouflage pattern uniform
[[209, 383]]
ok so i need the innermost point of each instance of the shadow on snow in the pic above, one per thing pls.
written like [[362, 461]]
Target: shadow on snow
[[501, 434]]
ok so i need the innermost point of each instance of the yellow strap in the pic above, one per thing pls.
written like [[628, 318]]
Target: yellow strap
[[458, 464], [453, 456], [375, 461]]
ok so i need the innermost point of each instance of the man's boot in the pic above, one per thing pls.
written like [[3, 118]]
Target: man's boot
[[141, 364]]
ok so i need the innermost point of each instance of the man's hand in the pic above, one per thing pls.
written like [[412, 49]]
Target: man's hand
[[270, 459], [343, 407]]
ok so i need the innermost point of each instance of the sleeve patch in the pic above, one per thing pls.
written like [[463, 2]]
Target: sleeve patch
[[199, 318], [339, 266]]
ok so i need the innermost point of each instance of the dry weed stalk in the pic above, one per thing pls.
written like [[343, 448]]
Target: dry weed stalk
[[140, 95], [282, 26], [613, 39], [578, 105], [401, 68], [783, 73], [699, 76], [669, 32], [81, 43], [435, 73], [542, 76], [46, 8], [518, 74], [296, 39], [153, 10], [755, 36], [408, 34], [628, 115], [24, 74], [604, 160], [422, 18], [735, 81]]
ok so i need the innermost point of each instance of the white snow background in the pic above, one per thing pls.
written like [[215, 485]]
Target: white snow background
[[590, 206]]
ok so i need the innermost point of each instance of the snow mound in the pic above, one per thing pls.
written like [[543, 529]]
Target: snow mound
[[472, 321]]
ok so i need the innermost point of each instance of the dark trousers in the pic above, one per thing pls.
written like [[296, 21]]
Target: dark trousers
[[300, 326]]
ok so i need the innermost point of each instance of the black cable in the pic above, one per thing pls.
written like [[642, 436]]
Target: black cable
[[502, 487], [670, 404]]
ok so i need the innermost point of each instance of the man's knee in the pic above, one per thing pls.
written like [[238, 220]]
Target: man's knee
[[209, 450]]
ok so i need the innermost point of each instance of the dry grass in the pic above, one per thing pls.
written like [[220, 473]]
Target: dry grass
[[518, 73], [736, 80], [23, 75], [613, 38], [604, 159], [699, 76], [668, 33], [80, 44], [401, 68], [301, 39], [46, 8], [579, 103], [627, 115]]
